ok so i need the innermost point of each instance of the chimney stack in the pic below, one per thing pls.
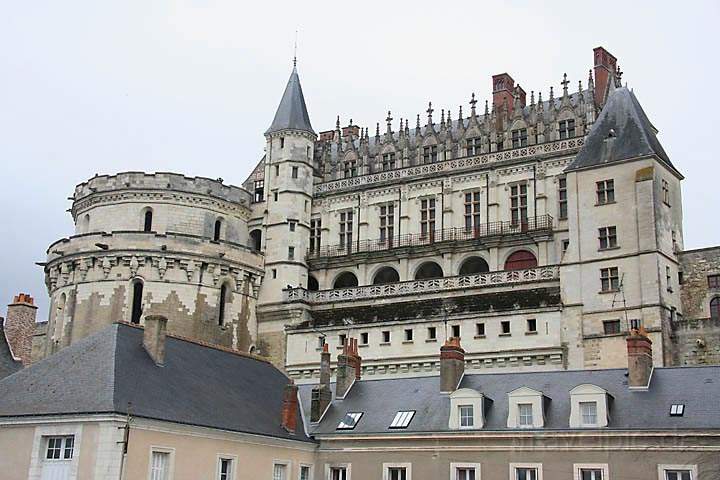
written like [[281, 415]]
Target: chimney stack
[[640, 362], [290, 407], [503, 90], [20, 326], [452, 365], [321, 394], [605, 66], [348, 368], [154, 338]]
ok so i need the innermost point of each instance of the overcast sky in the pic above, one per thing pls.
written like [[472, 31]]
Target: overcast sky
[[191, 85]]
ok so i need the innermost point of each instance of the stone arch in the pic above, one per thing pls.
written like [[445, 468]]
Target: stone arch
[[345, 280], [218, 228], [137, 286], [520, 259], [85, 223], [428, 270], [147, 219], [386, 274], [256, 239], [313, 284], [472, 265], [224, 298]]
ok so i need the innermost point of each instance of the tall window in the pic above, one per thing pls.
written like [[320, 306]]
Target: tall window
[[562, 198], [430, 154], [472, 211], [217, 230], [291, 253], [715, 308], [467, 418], [427, 216], [605, 192], [567, 128], [147, 220], [474, 146], [519, 138], [525, 415], [315, 232], [387, 222], [608, 237], [518, 204], [609, 279], [304, 472], [60, 448], [279, 471], [588, 413], [388, 161], [338, 473], [666, 192], [225, 469], [294, 172], [159, 466], [350, 168], [346, 229], [222, 304], [259, 187], [137, 301]]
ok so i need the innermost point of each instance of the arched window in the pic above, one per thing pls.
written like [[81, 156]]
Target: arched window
[[256, 240], [86, 223], [148, 220], [473, 265], [217, 230], [715, 308], [520, 260], [346, 280], [429, 270], [313, 284], [222, 304], [386, 275], [137, 301]]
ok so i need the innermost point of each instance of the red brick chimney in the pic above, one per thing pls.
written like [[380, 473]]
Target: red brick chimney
[[349, 367], [20, 326], [503, 89], [290, 407], [640, 362], [605, 66], [452, 364]]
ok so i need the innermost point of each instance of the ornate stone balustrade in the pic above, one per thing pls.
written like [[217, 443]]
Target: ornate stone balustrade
[[413, 287]]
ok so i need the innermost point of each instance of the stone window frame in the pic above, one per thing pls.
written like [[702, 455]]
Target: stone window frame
[[562, 198], [454, 466], [346, 466], [406, 465], [663, 467], [39, 448], [464, 397], [610, 274], [525, 395], [286, 463], [536, 466], [605, 192], [171, 460], [579, 467], [233, 468], [587, 392], [309, 466], [608, 237]]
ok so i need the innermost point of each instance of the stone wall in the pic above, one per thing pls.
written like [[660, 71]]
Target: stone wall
[[20, 327]]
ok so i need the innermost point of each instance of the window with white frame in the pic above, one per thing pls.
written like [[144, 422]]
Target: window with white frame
[[396, 471], [387, 222], [280, 471], [525, 471], [346, 229], [588, 406], [305, 472], [160, 465], [472, 210], [562, 198], [60, 448], [467, 416], [525, 415], [588, 413], [338, 473], [225, 468], [590, 471], [518, 203], [525, 408], [427, 216], [677, 472], [464, 471]]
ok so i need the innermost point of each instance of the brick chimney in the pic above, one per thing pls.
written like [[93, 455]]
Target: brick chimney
[[640, 362], [154, 338], [348, 368], [321, 394], [605, 66], [452, 364], [353, 130], [503, 88], [20, 326], [290, 407]]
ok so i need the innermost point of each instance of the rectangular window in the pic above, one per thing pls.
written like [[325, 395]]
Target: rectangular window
[[668, 279], [279, 471], [562, 198], [472, 211], [519, 138], [531, 325], [315, 233], [608, 237], [526, 473], [588, 413], [275, 196], [467, 417], [364, 338], [321, 341], [350, 169], [605, 192], [225, 469], [430, 154], [525, 415], [666, 192], [291, 253], [431, 333], [408, 335], [346, 230], [277, 170], [474, 146], [294, 172], [350, 420], [259, 187], [291, 226], [342, 338], [714, 281], [159, 466], [480, 329], [591, 474], [397, 473], [338, 473], [609, 279], [427, 216], [565, 245], [387, 223], [611, 327], [505, 327], [456, 331], [679, 474], [388, 161], [518, 204], [567, 128], [304, 472], [60, 448], [464, 473], [282, 142], [386, 336]]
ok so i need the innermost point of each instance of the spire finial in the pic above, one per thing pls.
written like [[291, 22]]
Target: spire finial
[[565, 83], [486, 108], [618, 75], [337, 123], [460, 115], [532, 98], [590, 80], [430, 112], [389, 120], [295, 49], [473, 102], [377, 129], [552, 94]]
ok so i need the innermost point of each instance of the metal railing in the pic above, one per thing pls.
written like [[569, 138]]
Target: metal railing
[[531, 224]]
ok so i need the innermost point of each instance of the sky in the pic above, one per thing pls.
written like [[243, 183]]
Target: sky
[[190, 86]]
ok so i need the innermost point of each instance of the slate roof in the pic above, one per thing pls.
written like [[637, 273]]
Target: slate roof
[[8, 364], [292, 113], [634, 136], [696, 387], [198, 385]]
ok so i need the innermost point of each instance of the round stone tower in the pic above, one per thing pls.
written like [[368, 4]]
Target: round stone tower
[[156, 243]]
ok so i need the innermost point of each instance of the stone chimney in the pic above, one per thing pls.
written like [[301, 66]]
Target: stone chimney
[[503, 89], [321, 394], [605, 66], [154, 338], [290, 407], [348, 368], [452, 365], [20, 327], [640, 362]]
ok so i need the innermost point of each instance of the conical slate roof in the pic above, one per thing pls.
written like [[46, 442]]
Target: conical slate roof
[[292, 113], [622, 131]]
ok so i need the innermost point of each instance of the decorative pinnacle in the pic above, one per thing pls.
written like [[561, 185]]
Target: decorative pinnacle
[[619, 74], [377, 129], [430, 112], [486, 108], [417, 126], [442, 116], [473, 102], [590, 80], [532, 97], [460, 115], [389, 120], [565, 83], [552, 94], [579, 86], [337, 123]]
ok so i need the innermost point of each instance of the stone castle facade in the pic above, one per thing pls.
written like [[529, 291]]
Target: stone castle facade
[[539, 230]]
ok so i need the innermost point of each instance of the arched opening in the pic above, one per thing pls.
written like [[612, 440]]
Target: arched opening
[[222, 304], [386, 275], [137, 301], [429, 270], [473, 265], [313, 284], [715, 308], [85, 228], [346, 280], [217, 230], [148, 220], [256, 240], [520, 260]]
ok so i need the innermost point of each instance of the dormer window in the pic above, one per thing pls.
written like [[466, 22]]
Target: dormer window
[[519, 138], [474, 146], [588, 414], [388, 161], [526, 408], [567, 128], [467, 416], [466, 407], [430, 154], [525, 415], [588, 407], [677, 410]]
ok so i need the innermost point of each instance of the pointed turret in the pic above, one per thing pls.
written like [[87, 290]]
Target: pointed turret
[[292, 113]]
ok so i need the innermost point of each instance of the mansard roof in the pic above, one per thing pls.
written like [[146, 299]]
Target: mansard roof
[[622, 131], [292, 113], [8, 364], [110, 372]]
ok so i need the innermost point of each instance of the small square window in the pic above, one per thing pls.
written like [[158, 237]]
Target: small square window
[[480, 329], [611, 327], [677, 409], [456, 331], [408, 335], [714, 281], [397, 473], [505, 327], [431, 333], [466, 413], [531, 325], [364, 338], [591, 474], [338, 473], [526, 473], [386, 336]]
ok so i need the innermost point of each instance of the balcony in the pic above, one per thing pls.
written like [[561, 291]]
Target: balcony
[[541, 224], [415, 287]]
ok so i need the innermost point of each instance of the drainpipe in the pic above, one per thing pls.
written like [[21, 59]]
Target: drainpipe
[[534, 193]]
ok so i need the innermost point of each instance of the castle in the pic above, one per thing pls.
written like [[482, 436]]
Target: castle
[[540, 230]]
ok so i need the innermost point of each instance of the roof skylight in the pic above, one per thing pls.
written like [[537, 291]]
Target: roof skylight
[[677, 409], [349, 421], [402, 419]]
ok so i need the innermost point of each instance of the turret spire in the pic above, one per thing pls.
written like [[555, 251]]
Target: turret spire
[[292, 113]]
